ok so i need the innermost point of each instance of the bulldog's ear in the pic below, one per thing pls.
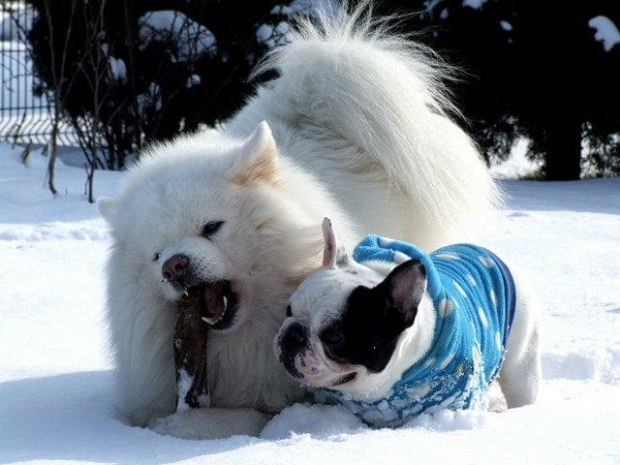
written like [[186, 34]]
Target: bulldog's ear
[[261, 157], [333, 255], [106, 206], [405, 287]]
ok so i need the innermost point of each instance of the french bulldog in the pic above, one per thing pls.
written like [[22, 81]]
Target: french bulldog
[[396, 332]]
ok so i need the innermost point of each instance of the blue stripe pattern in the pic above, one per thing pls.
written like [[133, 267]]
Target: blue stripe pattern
[[474, 299]]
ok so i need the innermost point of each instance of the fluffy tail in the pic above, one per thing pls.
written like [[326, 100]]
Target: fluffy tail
[[348, 73]]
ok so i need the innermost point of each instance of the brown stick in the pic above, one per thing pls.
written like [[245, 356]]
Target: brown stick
[[190, 347]]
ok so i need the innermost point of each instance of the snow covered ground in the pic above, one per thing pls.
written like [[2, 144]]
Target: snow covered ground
[[56, 400]]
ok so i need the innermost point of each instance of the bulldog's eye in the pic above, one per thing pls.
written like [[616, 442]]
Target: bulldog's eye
[[332, 336], [289, 312], [211, 228], [156, 256]]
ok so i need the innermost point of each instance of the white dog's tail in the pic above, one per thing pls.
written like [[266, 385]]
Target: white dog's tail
[[382, 93]]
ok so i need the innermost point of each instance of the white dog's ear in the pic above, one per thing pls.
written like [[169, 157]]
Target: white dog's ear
[[333, 255], [405, 287], [261, 157], [105, 205]]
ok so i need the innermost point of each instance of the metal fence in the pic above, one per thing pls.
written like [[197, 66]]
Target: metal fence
[[24, 115]]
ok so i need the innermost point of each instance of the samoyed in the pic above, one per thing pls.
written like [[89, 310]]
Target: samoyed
[[356, 127]]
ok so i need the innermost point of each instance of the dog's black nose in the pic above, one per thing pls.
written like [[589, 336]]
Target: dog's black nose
[[295, 337], [175, 267]]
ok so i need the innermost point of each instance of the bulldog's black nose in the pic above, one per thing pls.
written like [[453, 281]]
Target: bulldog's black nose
[[295, 337], [175, 267]]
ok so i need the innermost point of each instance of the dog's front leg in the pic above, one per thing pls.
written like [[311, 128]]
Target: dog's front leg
[[211, 423]]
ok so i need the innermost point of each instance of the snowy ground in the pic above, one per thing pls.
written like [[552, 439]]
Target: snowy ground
[[55, 374]]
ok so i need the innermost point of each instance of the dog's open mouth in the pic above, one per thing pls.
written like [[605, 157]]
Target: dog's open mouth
[[217, 301], [345, 379]]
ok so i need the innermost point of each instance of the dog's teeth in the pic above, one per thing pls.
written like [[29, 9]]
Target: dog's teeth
[[186, 292], [216, 320]]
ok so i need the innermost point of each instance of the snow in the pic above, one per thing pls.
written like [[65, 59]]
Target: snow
[[264, 33], [8, 29], [430, 5], [152, 99], [13, 25], [56, 396], [283, 28], [184, 384], [282, 10], [118, 70], [270, 36], [18, 77], [606, 31], [475, 4], [193, 80], [191, 38], [505, 25], [305, 6]]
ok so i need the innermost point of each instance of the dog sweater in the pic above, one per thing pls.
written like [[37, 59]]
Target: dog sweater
[[473, 296]]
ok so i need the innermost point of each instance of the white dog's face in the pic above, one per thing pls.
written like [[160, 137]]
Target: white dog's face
[[344, 322], [191, 227]]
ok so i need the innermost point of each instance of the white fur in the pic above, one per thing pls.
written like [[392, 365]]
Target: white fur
[[521, 373], [374, 122], [359, 119]]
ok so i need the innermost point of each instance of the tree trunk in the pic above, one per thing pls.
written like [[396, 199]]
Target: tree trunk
[[51, 164], [563, 148], [90, 177]]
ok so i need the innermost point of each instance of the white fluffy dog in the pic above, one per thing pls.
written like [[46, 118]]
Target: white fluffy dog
[[355, 127]]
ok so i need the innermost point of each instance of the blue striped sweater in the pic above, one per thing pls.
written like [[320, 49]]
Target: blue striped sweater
[[474, 299]]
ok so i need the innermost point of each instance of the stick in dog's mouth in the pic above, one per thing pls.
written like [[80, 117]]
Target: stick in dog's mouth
[[190, 347], [203, 306], [345, 379]]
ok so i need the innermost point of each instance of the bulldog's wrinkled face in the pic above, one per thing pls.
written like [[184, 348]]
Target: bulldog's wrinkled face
[[344, 322]]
